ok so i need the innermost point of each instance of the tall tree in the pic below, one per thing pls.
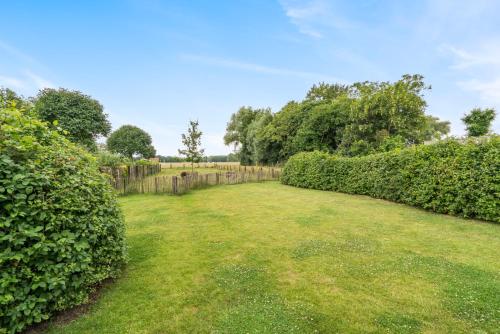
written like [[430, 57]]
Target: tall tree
[[237, 131], [478, 121], [326, 92], [78, 114], [192, 143], [131, 141], [383, 109]]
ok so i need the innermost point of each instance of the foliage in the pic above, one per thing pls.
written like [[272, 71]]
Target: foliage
[[359, 119], [447, 177], [131, 141], [322, 127], [192, 143], [109, 159], [61, 230], [9, 99], [326, 92], [478, 121], [237, 131], [78, 114]]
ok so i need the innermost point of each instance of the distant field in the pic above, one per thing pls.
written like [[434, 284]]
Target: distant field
[[267, 258], [179, 170], [200, 165]]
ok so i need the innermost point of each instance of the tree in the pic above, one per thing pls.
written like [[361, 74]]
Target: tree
[[326, 92], [78, 114], [478, 121], [359, 119], [131, 141], [322, 128], [254, 140], [384, 109], [435, 128], [237, 131], [192, 143], [9, 99]]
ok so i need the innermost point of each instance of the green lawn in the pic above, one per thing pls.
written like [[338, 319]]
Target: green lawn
[[267, 258]]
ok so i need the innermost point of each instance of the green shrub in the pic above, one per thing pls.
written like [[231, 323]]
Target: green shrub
[[109, 159], [61, 230], [448, 177]]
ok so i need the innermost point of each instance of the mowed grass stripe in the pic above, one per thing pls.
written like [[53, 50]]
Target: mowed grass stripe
[[267, 258]]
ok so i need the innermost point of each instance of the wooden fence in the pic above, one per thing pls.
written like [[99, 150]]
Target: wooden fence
[[247, 169], [177, 185], [122, 176]]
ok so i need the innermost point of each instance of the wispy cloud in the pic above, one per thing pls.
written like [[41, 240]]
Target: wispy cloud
[[23, 73], [39, 82], [487, 54], [489, 91], [313, 18], [16, 52], [239, 65], [25, 82], [482, 66]]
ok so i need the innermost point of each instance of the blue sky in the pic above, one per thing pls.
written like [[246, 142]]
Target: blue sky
[[157, 64]]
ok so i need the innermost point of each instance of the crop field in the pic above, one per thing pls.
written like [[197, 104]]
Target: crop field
[[268, 258]]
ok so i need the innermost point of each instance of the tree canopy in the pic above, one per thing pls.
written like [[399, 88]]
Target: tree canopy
[[131, 141], [351, 120], [478, 121], [80, 116]]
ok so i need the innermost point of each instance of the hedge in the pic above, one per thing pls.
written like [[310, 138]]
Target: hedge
[[61, 230], [449, 177]]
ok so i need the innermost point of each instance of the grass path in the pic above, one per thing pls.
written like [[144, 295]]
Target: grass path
[[267, 258]]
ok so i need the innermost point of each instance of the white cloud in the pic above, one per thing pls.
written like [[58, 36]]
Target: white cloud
[[39, 82], [487, 54], [229, 63], [482, 66], [26, 82], [313, 18], [489, 91]]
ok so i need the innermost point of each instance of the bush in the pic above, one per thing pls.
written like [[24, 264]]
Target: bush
[[448, 177], [61, 230], [108, 159]]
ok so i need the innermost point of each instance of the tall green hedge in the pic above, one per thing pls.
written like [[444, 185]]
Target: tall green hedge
[[61, 230], [448, 177]]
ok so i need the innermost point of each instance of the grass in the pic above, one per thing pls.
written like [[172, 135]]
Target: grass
[[267, 258], [178, 170]]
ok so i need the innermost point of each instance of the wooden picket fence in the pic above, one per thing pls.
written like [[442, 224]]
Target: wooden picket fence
[[177, 185], [123, 176]]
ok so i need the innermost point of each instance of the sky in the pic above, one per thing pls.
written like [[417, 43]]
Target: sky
[[159, 64]]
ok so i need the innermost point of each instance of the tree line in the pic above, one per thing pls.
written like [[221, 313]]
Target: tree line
[[82, 120], [349, 120]]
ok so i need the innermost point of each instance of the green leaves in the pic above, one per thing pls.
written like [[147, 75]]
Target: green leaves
[[61, 230], [130, 141], [79, 117], [448, 177]]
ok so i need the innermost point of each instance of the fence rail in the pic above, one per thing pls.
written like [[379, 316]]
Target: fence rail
[[177, 185]]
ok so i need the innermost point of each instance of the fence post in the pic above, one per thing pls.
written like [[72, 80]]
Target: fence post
[[174, 184]]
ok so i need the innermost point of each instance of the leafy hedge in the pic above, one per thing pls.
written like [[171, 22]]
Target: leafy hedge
[[448, 177], [61, 230]]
